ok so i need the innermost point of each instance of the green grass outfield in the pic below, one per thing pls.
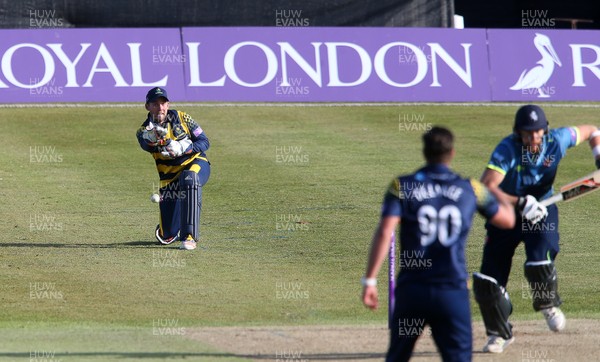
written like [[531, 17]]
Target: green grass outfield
[[287, 220]]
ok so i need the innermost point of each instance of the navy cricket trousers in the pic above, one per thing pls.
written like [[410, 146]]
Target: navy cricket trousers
[[540, 240], [172, 197], [440, 310]]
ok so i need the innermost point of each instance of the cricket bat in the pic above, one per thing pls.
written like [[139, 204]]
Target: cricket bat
[[575, 189]]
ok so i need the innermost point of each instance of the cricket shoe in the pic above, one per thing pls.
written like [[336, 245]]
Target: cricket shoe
[[497, 344], [160, 239], [188, 244], [555, 318]]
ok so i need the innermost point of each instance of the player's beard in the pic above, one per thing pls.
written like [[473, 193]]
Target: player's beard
[[159, 118]]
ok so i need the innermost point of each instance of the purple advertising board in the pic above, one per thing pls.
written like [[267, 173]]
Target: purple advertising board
[[244, 64], [88, 65], [335, 64], [544, 65], [299, 64]]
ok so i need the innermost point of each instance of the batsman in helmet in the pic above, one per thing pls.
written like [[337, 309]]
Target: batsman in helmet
[[178, 145], [523, 167]]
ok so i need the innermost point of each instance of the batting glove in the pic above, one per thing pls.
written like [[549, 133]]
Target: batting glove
[[531, 210]]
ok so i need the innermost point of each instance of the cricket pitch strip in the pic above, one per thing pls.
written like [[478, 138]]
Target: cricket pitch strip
[[579, 341]]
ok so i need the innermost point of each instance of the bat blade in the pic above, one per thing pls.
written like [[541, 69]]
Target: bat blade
[[576, 189]]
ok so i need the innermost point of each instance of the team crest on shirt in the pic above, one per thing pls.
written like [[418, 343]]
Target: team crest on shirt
[[178, 131]]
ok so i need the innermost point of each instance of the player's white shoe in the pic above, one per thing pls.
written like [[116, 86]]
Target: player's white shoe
[[497, 344], [555, 318], [188, 244]]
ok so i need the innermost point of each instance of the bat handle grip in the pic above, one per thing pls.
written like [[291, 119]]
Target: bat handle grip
[[552, 200]]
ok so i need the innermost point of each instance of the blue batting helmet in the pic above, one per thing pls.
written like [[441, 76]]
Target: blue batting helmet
[[530, 118]]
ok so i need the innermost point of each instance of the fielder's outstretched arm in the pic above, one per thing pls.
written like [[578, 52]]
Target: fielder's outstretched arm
[[379, 250], [492, 179]]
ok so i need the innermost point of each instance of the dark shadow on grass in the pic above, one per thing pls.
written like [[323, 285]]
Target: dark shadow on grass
[[127, 244], [164, 355]]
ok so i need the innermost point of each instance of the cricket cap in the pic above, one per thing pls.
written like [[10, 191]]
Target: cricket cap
[[155, 93], [530, 118]]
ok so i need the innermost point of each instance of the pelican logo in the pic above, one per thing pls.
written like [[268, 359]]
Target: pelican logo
[[537, 77]]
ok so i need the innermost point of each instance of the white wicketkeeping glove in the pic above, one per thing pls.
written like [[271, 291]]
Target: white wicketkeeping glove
[[175, 149], [154, 134], [186, 144], [531, 209]]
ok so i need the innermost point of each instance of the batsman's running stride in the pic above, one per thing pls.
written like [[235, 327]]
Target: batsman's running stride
[[435, 207], [524, 165], [178, 145]]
